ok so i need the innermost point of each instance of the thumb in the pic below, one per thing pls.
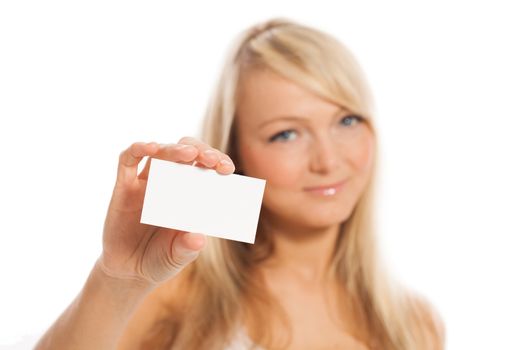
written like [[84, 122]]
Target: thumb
[[186, 247]]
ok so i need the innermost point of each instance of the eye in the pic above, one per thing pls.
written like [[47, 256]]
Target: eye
[[349, 119], [283, 135]]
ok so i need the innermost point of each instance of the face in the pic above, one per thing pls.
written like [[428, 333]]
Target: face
[[316, 157]]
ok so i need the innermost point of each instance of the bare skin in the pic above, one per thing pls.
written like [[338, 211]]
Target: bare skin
[[136, 257], [318, 149], [323, 144]]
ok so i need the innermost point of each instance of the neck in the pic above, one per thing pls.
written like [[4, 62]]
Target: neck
[[304, 252]]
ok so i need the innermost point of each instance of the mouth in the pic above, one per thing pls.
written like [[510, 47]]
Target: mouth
[[327, 190]]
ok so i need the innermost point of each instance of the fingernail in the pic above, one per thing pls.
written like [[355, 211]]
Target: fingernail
[[226, 162]]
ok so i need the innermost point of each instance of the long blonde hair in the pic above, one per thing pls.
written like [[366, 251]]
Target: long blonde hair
[[214, 285]]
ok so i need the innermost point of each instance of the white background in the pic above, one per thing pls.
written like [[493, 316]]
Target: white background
[[79, 82]]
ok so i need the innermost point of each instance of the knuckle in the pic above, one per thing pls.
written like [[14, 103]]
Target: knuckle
[[134, 145], [165, 147], [170, 147], [122, 155], [212, 151], [187, 140]]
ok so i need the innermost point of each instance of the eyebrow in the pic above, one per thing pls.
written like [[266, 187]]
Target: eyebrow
[[293, 117]]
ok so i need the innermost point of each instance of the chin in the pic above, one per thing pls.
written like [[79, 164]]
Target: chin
[[325, 215]]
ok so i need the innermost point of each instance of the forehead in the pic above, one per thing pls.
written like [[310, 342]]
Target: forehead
[[264, 95]]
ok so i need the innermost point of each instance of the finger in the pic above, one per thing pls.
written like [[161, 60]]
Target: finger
[[170, 251], [176, 152], [145, 171], [184, 154], [192, 241], [131, 157], [224, 167], [210, 157], [185, 248]]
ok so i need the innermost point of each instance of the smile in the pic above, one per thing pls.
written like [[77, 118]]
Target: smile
[[328, 190]]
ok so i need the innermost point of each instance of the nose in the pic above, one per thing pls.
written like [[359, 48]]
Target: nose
[[324, 155]]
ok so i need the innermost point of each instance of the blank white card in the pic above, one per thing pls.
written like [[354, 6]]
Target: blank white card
[[189, 198]]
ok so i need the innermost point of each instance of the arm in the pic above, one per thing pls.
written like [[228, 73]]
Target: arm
[[156, 321], [135, 257], [98, 315]]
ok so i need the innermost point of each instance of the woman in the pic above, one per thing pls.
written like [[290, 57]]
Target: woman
[[292, 106]]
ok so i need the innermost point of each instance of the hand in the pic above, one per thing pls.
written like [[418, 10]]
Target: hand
[[148, 253]]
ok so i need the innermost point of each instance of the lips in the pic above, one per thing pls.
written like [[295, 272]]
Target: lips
[[326, 189]]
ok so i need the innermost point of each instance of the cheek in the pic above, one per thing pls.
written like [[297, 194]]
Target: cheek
[[278, 167], [360, 152]]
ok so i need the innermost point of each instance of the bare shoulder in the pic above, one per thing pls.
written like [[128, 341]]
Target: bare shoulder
[[154, 320]]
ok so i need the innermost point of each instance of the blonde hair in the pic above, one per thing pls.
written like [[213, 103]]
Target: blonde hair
[[213, 286]]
